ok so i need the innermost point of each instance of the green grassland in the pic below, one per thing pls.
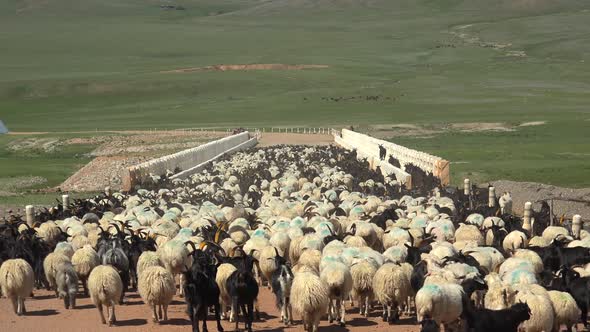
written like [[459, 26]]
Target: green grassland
[[71, 65]]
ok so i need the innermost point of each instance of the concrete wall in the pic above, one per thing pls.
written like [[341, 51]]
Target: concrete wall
[[188, 160], [368, 147]]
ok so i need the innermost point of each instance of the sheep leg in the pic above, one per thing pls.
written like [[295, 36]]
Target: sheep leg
[[165, 312], [15, 305], [330, 311], [181, 287], [385, 312], [112, 317], [160, 311], [366, 306], [101, 313], [342, 308], [73, 300], [23, 310], [154, 314]]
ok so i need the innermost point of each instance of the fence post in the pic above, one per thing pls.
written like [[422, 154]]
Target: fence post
[[492, 197], [576, 226], [30, 214], [65, 201], [466, 187], [526, 220]]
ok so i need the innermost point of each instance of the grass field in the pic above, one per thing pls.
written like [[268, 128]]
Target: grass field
[[71, 65]]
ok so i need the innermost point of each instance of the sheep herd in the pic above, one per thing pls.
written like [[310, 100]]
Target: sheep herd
[[322, 231]]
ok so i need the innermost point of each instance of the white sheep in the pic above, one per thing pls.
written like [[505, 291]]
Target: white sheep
[[309, 298], [156, 287], [84, 260], [223, 272], [50, 264], [148, 259], [176, 258], [16, 283], [551, 232], [542, 313], [391, 287], [64, 248], [566, 310], [105, 288], [439, 302], [469, 233], [514, 240], [338, 279], [362, 284], [267, 262]]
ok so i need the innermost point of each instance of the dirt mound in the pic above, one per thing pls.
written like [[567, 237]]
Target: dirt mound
[[267, 66], [531, 192], [100, 173]]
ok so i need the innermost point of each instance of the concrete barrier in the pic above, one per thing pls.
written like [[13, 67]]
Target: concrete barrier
[[188, 161], [368, 147]]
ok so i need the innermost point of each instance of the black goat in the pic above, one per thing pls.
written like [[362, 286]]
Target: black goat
[[243, 289], [201, 290], [486, 320], [579, 288]]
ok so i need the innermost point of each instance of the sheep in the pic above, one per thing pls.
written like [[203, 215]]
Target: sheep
[[267, 262], [16, 282], [176, 258], [531, 257], [499, 296], [309, 298], [362, 284], [64, 248], [50, 264], [439, 302], [514, 240], [542, 313], [469, 233], [223, 272], [338, 279], [148, 259], [391, 287], [66, 279], [157, 288], [566, 310], [84, 260], [105, 288], [551, 232], [311, 258]]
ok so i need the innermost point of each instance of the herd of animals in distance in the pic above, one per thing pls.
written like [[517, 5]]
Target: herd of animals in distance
[[318, 227]]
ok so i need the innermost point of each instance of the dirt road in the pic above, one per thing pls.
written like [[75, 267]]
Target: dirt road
[[47, 314]]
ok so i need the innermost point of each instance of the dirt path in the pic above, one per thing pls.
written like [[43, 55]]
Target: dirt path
[[268, 139], [47, 314]]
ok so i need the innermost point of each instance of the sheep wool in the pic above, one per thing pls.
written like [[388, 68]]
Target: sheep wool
[[309, 298], [440, 302], [391, 285], [148, 259], [566, 310], [156, 287], [16, 282], [105, 288], [542, 313]]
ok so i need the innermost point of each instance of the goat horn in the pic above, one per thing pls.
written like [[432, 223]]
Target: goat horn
[[191, 243]]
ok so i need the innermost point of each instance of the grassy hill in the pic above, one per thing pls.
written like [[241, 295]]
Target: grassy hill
[[70, 65]]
